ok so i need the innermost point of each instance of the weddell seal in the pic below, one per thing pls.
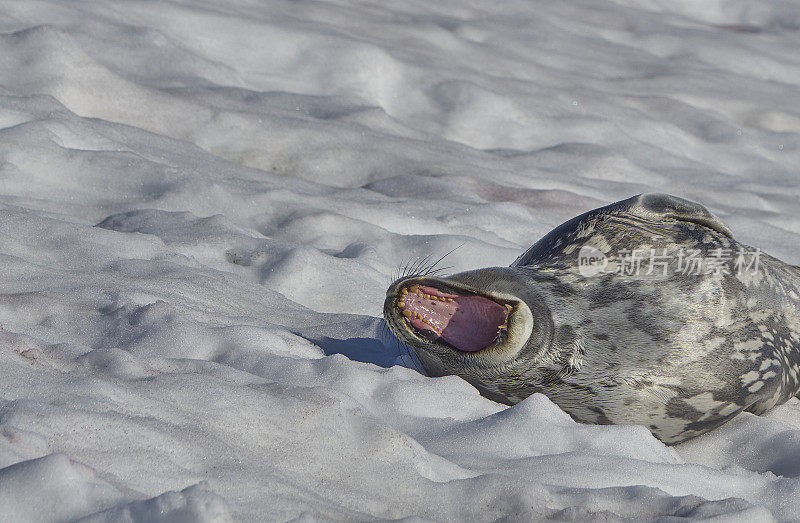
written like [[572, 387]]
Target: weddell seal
[[646, 311]]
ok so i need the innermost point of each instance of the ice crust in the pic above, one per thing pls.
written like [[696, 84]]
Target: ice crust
[[202, 204]]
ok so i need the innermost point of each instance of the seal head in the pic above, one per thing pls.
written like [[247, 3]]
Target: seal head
[[483, 321]]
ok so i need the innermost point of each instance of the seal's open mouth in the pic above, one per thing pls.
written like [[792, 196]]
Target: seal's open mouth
[[467, 322]]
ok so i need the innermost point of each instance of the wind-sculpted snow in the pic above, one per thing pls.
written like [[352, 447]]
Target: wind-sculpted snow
[[202, 204]]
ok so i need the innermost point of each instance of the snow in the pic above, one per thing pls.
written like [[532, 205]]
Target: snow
[[202, 204]]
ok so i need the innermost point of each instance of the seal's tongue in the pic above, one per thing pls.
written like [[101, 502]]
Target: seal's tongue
[[468, 323]]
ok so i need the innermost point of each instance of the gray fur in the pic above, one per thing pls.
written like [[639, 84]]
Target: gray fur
[[678, 353]]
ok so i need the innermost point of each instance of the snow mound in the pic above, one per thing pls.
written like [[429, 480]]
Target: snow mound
[[52, 488], [195, 503]]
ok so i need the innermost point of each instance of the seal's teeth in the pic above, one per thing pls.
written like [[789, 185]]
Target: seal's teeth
[[414, 289], [407, 313], [404, 291], [401, 304], [508, 307], [450, 299]]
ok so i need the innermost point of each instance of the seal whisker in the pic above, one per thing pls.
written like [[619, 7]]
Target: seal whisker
[[430, 269], [437, 270], [416, 364], [420, 263], [407, 268], [403, 350], [401, 270], [422, 267]]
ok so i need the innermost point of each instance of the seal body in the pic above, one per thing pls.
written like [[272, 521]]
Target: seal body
[[646, 311]]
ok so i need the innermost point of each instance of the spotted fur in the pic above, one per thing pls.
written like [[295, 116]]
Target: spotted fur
[[680, 353]]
